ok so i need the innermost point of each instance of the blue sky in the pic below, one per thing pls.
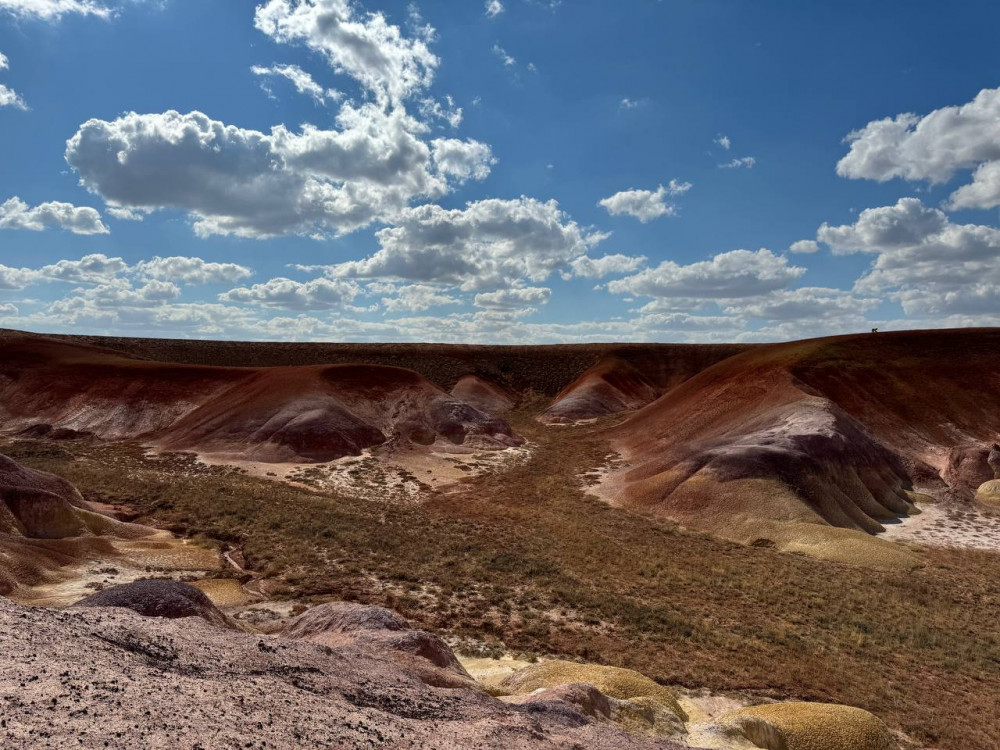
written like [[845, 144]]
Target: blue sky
[[501, 171]]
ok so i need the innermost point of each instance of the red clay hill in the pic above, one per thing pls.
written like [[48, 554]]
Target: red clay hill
[[299, 413], [629, 378], [777, 443], [773, 444]]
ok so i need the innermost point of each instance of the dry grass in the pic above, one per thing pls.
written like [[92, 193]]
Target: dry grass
[[527, 559]]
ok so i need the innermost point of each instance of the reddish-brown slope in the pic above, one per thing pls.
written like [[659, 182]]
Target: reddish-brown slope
[[629, 379], [829, 432], [929, 395], [268, 414], [485, 395]]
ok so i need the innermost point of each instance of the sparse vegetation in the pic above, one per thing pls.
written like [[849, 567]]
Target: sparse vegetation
[[524, 559]]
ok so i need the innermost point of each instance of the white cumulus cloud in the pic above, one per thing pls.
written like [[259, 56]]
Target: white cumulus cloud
[[934, 147], [607, 265], [738, 273], [488, 244], [248, 183], [517, 298], [286, 294], [301, 80], [363, 45], [16, 214], [645, 205], [190, 270], [53, 10], [930, 264]]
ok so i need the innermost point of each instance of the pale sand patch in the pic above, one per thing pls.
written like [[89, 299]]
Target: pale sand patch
[[946, 525], [399, 474], [607, 479], [704, 705], [225, 593]]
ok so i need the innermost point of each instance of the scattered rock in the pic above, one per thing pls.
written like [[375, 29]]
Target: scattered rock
[[109, 678]]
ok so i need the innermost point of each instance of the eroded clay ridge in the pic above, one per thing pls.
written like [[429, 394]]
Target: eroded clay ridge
[[830, 432], [303, 413], [45, 525]]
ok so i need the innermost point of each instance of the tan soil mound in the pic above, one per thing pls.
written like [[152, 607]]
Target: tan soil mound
[[798, 726], [989, 493], [486, 396], [293, 414], [156, 598], [629, 379], [340, 624], [638, 716], [615, 682], [109, 678]]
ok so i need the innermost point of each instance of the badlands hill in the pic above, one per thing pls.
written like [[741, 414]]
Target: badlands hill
[[46, 525], [777, 443], [628, 379], [768, 444], [544, 370], [298, 413]]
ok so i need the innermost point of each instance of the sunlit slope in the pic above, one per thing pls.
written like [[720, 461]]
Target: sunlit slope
[[308, 413], [779, 444]]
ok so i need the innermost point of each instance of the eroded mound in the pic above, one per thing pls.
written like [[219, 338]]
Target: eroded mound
[[989, 493], [615, 682], [769, 441], [642, 715], [45, 524], [750, 457], [282, 414], [342, 624], [485, 395], [799, 726], [159, 598], [629, 379], [192, 684]]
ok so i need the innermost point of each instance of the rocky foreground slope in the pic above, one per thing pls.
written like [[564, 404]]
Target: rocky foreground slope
[[341, 676]]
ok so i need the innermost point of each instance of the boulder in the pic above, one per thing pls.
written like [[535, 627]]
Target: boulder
[[157, 598], [382, 631], [968, 467], [989, 493], [993, 459]]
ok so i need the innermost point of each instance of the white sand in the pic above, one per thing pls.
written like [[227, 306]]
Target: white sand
[[941, 525]]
